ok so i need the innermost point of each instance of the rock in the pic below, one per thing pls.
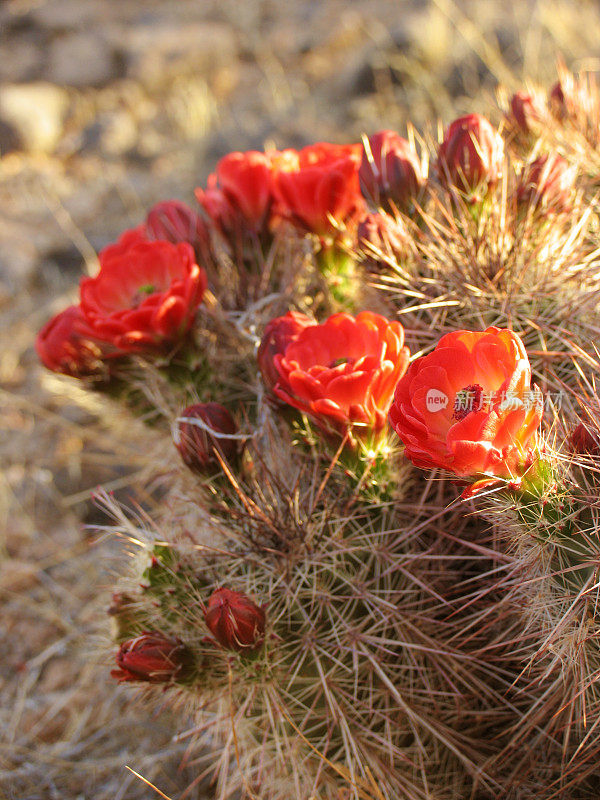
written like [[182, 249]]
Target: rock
[[35, 111], [113, 132], [80, 59], [22, 59], [9, 138], [70, 14], [160, 48]]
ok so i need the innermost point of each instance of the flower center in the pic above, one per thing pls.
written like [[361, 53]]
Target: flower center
[[468, 399], [337, 362], [142, 293]]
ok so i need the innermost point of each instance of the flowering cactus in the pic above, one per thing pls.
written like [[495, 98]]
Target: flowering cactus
[[382, 240], [585, 440], [334, 620]]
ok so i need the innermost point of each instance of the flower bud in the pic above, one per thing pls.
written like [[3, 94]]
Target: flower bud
[[527, 112], [585, 441], [173, 221], [278, 333], [471, 156], [381, 238], [152, 658], [557, 101], [565, 97], [235, 621], [547, 184], [390, 170], [574, 98], [197, 435]]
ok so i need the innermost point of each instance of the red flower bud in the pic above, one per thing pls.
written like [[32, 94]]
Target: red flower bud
[[547, 184], [173, 221], [585, 441], [235, 621], [527, 111], [471, 156], [197, 435], [278, 333], [152, 658], [390, 170], [381, 237], [557, 101], [67, 344], [571, 97]]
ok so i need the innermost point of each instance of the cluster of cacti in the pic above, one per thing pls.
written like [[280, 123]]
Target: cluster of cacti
[[335, 621]]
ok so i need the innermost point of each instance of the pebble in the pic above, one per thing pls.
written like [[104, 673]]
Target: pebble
[[35, 112], [80, 59]]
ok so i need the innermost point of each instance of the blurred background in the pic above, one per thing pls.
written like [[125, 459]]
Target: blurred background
[[105, 109]]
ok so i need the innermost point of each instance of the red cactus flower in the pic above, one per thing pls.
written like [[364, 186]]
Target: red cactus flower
[[343, 372], [235, 621], [527, 111], [547, 184], [145, 295], [239, 195], [278, 333], [173, 221], [471, 156], [68, 345], [152, 658], [196, 444], [467, 406], [390, 170], [317, 189]]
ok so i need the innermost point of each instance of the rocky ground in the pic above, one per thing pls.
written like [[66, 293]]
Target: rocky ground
[[106, 108]]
